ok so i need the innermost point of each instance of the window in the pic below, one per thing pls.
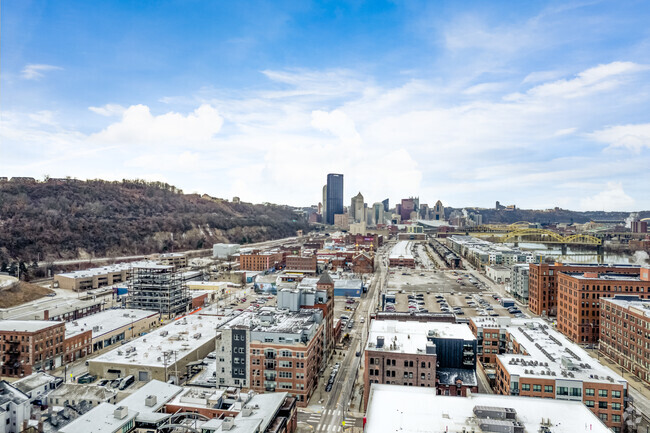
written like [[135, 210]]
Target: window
[[602, 393], [616, 394], [576, 392], [602, 405], [589, 403], [525, 387], [616, 418], [548, 388], [589, 391], [602, 416], [616, 406], [537, 388], [562, 390]]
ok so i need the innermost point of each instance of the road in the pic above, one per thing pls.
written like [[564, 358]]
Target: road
[[337, 407]]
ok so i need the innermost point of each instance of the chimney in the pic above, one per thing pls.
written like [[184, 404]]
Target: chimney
[[591, 274], [46, 315]]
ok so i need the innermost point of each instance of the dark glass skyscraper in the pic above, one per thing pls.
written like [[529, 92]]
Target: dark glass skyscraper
[[334, 196]]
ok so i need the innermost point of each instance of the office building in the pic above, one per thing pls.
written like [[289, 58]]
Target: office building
[[406, 207], [624, 332], [177, 260], [305, 264], [543, 288], [269, 350], [438, 212], [419, 410], [534, 360], [257, 260], [579, 294], [334, 197], [358, 209], [158, 288], [639, 226], [412, 353]]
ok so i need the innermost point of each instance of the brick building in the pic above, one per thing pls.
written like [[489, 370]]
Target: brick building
[[259, 261], [306, 264], [363, 263], [267, 351], [579, 296], [78, 346], [534, 360], [30, 345], [402, 255], [542, 283], [624, 333], [412, 353]]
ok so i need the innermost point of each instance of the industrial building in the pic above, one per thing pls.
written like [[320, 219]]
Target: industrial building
[[412, 353], [419, 410], [162, 354], [543, 288], [158, 288], [402, 255], [270, 350], [584, 290], [93, 278], [535, 360], [112, 326], [623, 319]]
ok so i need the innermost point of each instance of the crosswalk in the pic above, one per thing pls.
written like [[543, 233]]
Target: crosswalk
[[314, 418]]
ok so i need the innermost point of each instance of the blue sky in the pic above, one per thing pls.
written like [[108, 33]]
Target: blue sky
[[539, 104]]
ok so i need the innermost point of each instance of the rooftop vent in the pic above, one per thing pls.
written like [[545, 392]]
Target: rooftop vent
[[228, 423], [247, 411], [121, 412], [150, 401], [380, 342]]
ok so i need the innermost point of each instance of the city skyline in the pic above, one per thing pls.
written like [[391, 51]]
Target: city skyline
[[542, 105]]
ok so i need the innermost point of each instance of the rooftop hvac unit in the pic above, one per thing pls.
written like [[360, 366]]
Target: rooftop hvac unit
[[228, 423], [121, 412], [150, 401]]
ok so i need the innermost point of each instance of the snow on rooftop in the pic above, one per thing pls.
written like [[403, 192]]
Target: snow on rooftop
[[26, 325], [402, 249], [639, 306], [118, 267], [411, 337], [269, 319], [106, 321], [393, 408]]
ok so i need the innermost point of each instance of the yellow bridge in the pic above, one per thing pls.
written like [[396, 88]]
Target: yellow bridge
[[520, 232]]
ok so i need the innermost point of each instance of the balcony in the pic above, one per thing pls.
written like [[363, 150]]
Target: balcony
[[269, 355]]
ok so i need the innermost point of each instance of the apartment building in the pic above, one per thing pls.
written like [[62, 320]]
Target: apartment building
[[542, 282], [257, 260], [15, 409], [537, 361], [519, 282], [269, 350], [625, 333], [305, 264], [482, 253], [412, 353], [313, 293], [30, 345], [579, 295]]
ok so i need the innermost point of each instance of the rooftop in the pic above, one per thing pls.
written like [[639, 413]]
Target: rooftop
[[403, 409], [638, 305], [103, 270], [551, 354], [603, 276], [106, 321], [183, 335], [33, 381], [26, 325], [411, 337], [102, 419], [269, 319], [151, 398], [77, 392], [10, 394], [402, 249]]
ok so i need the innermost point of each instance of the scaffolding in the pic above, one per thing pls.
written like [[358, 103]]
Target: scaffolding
[[158, 288]]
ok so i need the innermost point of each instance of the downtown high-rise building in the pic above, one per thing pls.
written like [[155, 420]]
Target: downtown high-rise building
[[334, 196]]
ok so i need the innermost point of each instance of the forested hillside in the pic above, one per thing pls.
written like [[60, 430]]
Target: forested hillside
[[61, 219]]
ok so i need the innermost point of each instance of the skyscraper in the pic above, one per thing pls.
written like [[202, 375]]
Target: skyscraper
[[324, 212], [334, 196], [386, 205], [357, 209]]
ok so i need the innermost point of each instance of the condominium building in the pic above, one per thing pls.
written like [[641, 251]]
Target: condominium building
[[519, 282], [579, 295], [534, 360], [482, 253], [259, 260], [543, 288], [422, 354], [625, 332], [269, 350]]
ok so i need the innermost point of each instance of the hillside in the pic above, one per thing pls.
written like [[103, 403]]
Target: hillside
[[492, 216], [62, 219]]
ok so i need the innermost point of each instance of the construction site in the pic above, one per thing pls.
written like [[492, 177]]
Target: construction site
[[159, 288]]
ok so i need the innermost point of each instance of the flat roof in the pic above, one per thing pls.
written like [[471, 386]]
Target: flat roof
[[406, 409], [604, 276], [103, 270], [411, 336], [106, 321], [164, 392], [638, 305], [99, 420], [34, 381], [183, 335], [555, 354], [402, 249], [289, 322], [26, 325]]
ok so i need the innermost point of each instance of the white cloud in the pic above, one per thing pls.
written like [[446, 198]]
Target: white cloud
[[612, 198], [108, 110], [337, 123], [139, 126], [539, 76], [564, 131], [36, 71], [633, 137]]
